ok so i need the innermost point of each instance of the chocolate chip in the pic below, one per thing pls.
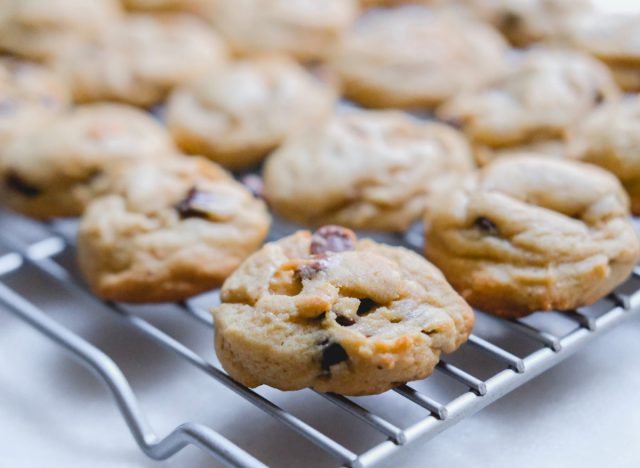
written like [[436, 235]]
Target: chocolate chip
[[366, 306], [345, 321], [510, 20], [17, 184], [599, 97], [254, 184], [310, 269], [333, 354], [486, 225], [196, 204], [332, 239]]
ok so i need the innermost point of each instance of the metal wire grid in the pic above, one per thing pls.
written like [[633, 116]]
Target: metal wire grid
[[514, 370]]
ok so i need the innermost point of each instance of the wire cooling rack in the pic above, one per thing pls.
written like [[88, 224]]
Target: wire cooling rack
[[500, 356]]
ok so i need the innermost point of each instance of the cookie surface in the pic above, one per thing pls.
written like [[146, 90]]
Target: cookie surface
[[170, 229], [54, 170], [30, 95], [610, 138], [239, 112], [529, 233], [363, 169], [42, 29], [306, 29], [543, 93], [142, 59], [384, 60], [336, 314]]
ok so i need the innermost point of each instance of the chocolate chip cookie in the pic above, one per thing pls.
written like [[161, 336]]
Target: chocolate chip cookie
[[169, 229], [614, 39], [237, 113], [142, 59], [413, 57], [30, 95], [610, 138], [306, 29], [42, 29], [363, 169], [543, 93], [526, 234], [54, 170], [337, 314]]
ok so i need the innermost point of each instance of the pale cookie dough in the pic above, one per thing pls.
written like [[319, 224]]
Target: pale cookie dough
[[30, 95], [42, 29], [364, 169], [142, 59], [55, 170], [413, 57], [169, 230], [539, 98], [237, 113], [336, 314], [610, 138], [526, 234], [306, 29]]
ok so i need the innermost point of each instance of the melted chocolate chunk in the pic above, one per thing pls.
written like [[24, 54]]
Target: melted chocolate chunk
[[17, 184], [599, 97], [195, 205], [344, 321], [333, 354], [510, 20], [332, 239], [486, 225], [311, 269], [366, 306]]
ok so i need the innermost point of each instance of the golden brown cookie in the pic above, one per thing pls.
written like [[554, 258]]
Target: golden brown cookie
[[306, 29], [412, 57], [363, 169], [610, 138], [56, 169], [170, 229], [142, 59], [30, 95], [336, 314], [539, 98], [43, 29], [237, 113], [528, 233]]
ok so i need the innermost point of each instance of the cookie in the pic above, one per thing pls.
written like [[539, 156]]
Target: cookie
[[30, 95], [142, 59], [614, 39], [54, 170], [337, 314], [42, 29], [543, 93], [305, 29], [527, 233], [363, 169], [610, 138], [390, 57], [523, 22], [541, 148], [169, 229], [238, 113]]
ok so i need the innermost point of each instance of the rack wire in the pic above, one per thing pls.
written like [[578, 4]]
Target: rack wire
[[479, 390]]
